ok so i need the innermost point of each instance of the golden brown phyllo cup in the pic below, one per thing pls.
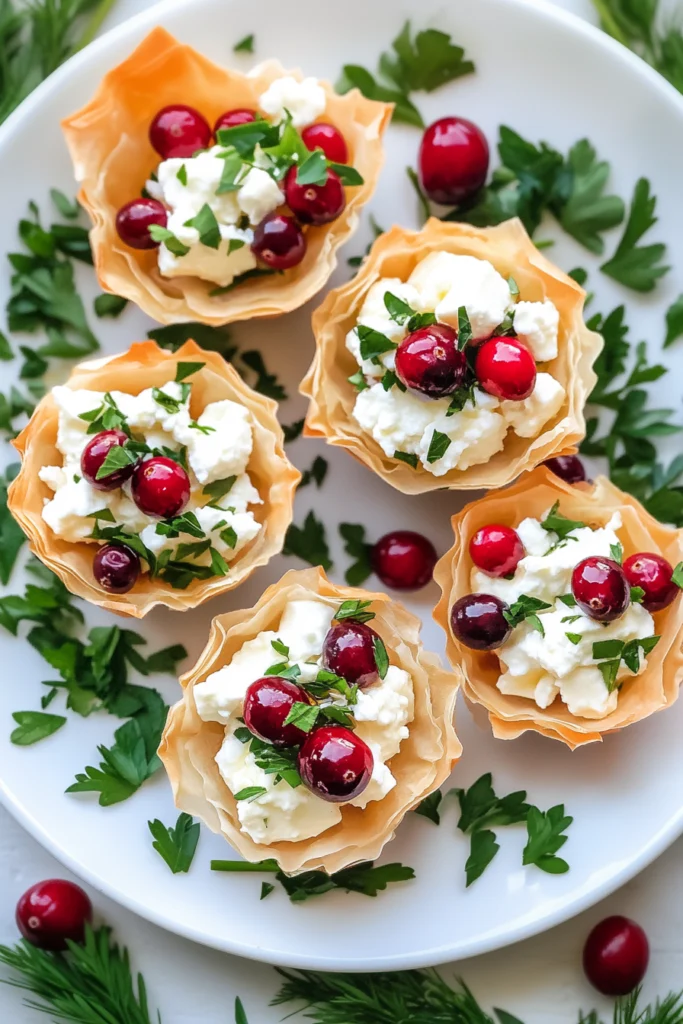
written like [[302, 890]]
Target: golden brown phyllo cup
[[652, 690], [425, 760], [112, 156], [145, 365], [396, 254]]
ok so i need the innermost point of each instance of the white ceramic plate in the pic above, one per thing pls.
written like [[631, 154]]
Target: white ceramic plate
[[549, 76]]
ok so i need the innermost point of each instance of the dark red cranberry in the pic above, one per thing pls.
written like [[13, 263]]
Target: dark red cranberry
[[428, 361], [267, 703], [496, 550], [160, 487], [94, 454], [279, 242], [335, 764], [601, 588], [134, 220], [653, 573], [349, 651], [453, 160], [315, 204], [478, 622], [116, 568], [404, 560], [616, 956], [179, 131], [569, 468], [53, 911], [505, 368], [231, 118], [329, 139]]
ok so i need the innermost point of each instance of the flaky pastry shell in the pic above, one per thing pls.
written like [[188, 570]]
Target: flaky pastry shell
[[113, 158], [146, 365], [640, 696], [395, 254], [425, 760]]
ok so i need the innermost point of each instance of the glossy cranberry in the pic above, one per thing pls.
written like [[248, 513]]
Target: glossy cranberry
[[335, 764], [267, 703], [134, 220], [315, 204], [569, 468], [116, 568], [453, 160], [179, 131], [329, 139], [601, 588], [279, 242], [653, 573], [616, 956], [496, 550], [505, 368], [349, 651], [404, 560], [478, 622], [94, 454], [160, 487], [53, 911], [428, 361], [231, 118]]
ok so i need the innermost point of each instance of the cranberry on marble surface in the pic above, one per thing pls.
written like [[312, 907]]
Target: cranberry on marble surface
[[53, 911], [616, 955]]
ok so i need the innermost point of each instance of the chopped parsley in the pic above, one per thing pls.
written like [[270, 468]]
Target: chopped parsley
[[176, 845], [355, 545]]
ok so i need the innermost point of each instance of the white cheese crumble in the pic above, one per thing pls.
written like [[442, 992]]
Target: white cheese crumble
[[305, 101]]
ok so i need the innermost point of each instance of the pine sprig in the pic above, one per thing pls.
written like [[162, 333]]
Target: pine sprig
[[637, 25]]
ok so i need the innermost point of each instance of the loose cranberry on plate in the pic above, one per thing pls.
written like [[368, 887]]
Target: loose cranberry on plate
[[404, 560], [53, 911], [179, 131], [601, 588], [616, 955], [116, 568], [329, 139], [160, 487], [496, 550], [505, 368], [315, 204], [428, 361], [134, 220], [279, 242], [478, 622], [569, 468], [335, 764], [267, 703], [349, 651], [94, 454], [231, 118], [453, 160], [653, 573]]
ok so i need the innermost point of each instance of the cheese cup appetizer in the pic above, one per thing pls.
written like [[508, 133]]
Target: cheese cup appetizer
[[218, 196], [310, 724], [457, 357], [153, 478], [561, 603]]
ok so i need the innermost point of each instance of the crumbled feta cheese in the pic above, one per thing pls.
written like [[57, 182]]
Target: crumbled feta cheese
[[259, 195], [383, 712], [69, 513], [225, 450], [203, 173], [304, 100], [219, 266], [527, 418], [446, 282], [537, 325], [304, 626]]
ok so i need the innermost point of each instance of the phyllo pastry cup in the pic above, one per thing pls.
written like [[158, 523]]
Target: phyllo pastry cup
[[112, 156], [426, 757], [655, 687], [143, 366], [395, 255]]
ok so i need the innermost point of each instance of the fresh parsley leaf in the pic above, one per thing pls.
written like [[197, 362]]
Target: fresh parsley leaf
[[399, 311], [347, 175], [430, 807], [424, 62], [316, 473], [312, 170], [217, 489], [674, 321], [483, 848], [409, 457], [303, 715], [213, 339], [381, 656], [585, 212], [464, 328], [364, 878], [354, 76], [266, 383], [438, 446], [174, 245], [266, 889], [240, 1014], [12, 537], [359, 610], [176, 845], [422, 200], [545, 837], [250, 793], [293, 430], [118, 457], [185, 370], [355, 545], [677, 576], [481, 808], [557, 523], [638, 267], [308, 542], [245, 45], [358, 380], [109, 305], [525, 609], [206, 225], [373, 343], [574, 638], [616, 552], [68, 208], [33, 726]]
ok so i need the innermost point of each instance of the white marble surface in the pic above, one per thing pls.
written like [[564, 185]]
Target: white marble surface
[[539, 980]]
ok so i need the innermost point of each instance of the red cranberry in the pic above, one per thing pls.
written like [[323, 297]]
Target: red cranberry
[[453, 160], [279, 242], [179, 131], [267, 703], [315, 204], [53, 911], [161, 487], [134, 220], [505, 368], [335, 764], [653, 573], [329, 139], [116, 568], [496, 550], [478, 622], [404, 560], [428, 361], [231, 118], [601, 588], [349, 651], [569, 468], [616, 956], [94, 454]]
